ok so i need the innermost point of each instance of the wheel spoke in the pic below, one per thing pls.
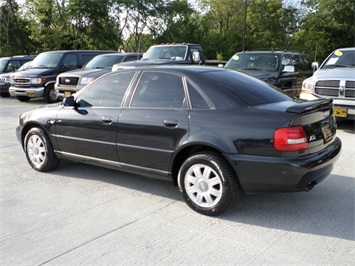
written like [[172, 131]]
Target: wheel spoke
[[206, 172], [214, 181], [215, 192]]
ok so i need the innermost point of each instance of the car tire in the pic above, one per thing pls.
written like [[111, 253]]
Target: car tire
[[39, 151], [208, 184], [4, 94], [50, 95], [23, 98]]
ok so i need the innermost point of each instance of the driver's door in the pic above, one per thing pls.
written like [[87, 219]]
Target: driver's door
[[89, 129]]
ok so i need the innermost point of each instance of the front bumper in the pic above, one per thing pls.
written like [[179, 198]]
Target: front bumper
[[284, 174], [28, 92], [65, 91], [4, 87]]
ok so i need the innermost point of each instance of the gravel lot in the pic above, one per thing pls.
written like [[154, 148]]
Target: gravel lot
[[80, 214]]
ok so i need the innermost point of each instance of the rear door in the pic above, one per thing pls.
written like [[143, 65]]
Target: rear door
[[154, 123]]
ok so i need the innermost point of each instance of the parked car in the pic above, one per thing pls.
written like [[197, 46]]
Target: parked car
[[334, 79], [72, 81], [214, 132], [39, 80], [12, 63], [284, 69], [169, 54], [5, 79]]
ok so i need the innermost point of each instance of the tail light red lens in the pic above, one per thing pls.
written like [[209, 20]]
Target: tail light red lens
[[290, 139]]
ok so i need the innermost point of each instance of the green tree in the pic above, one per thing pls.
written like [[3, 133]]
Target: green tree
[[270, 24], [329, 24], [14, 31]]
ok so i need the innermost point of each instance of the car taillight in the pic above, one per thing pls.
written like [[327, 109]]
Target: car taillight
[[290, 139]]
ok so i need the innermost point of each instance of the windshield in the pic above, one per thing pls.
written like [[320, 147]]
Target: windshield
[[260, 62], [3, 63], [176, 52], [47, 60], [104, 61], [341, 58]]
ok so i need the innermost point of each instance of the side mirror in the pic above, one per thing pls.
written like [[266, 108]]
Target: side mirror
[[196, 57], [289, 69], [220, 65], [69, 101], [315, 66]]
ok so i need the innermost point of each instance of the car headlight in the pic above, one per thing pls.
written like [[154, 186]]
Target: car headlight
[[36, 80], [308, 85], [86, 80], [6, 80]]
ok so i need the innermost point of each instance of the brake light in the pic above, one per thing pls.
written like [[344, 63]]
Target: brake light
[[290, 139]]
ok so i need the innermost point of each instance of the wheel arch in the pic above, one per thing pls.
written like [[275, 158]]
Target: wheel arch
[[27, 128], [187, 151]]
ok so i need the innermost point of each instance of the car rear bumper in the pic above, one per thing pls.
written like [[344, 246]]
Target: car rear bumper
[[284, 174]]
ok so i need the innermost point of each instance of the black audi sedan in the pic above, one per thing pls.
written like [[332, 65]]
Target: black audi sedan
[[215, 133]]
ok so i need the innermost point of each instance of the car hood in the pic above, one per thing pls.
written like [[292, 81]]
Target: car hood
[[96, 72], [6, 75], [346, 73], [34, 72]]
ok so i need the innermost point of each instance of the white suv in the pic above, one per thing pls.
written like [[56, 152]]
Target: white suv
[[334, 79]]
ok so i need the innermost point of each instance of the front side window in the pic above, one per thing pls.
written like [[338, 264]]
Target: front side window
[[106, 92], [70, 61], [159, 90]]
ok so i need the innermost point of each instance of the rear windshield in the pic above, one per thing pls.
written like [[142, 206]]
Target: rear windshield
[[247, 89]]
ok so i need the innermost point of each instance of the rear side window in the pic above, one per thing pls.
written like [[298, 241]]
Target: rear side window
[[245, 89], [197, 101], [159, 90]]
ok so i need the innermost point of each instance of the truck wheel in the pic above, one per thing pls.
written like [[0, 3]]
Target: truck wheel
[[208, 184], [23, 98], [50, 95], [39, 151], [4, 94]]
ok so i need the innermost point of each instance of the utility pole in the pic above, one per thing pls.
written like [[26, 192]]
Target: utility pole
[[245, 23]]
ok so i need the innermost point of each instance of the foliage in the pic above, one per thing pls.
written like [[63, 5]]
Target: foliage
[[14, 31], [314, 26]]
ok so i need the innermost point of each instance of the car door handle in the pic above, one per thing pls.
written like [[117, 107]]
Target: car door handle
[[171, 123], [106, 119]]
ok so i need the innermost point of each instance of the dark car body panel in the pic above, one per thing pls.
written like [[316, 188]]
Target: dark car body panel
[[155, 141]]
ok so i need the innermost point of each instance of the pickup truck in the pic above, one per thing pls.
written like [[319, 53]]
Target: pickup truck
[[334, 79], [168, 54]]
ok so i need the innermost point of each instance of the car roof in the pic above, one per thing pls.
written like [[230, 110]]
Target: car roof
[[268, 52], [179, 68], [80, 51], [118, 53], [346, 49]]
